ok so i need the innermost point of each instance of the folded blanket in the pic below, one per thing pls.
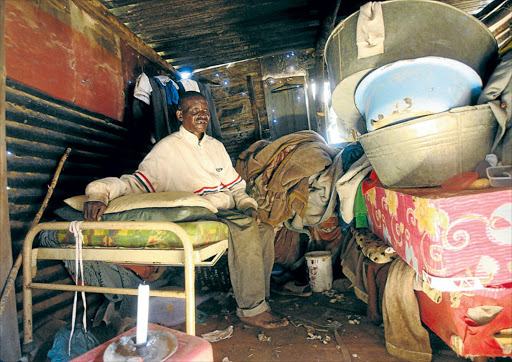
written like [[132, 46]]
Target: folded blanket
[[323, 197], [406, 337], [277, 173], [352, 261]]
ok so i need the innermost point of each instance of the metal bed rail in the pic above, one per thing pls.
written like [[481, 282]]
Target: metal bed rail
[[188, 256]]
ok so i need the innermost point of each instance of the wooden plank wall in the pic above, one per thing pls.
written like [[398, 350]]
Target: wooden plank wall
[[230, 90]]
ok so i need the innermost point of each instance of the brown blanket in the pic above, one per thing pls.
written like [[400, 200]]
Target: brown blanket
[[287, 247], [277, 173], [406, 338]]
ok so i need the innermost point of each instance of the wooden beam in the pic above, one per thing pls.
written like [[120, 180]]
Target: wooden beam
[[99, 12], [327, 28], [5, 238], [254, 109], [9, 335]]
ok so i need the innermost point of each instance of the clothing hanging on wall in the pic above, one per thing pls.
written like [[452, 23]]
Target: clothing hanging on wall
[[189, 85], [155, 104], [164, 109]]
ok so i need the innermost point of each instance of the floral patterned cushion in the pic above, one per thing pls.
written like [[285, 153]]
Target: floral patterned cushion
[[200, 232]]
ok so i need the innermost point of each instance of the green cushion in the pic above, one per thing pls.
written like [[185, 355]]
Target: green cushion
[[174, 214], [200, 232]]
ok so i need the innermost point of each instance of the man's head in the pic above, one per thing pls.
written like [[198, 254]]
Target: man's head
[[194, 112]]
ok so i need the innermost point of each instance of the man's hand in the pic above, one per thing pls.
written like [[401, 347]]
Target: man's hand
[[252, 212], [94, 210]]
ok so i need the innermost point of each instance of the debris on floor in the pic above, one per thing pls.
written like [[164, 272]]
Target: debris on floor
[[355, 320], [218, 335], [324, 339], [263, 338], [314, 315], [334, 296]]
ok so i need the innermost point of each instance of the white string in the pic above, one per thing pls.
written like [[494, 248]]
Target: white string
[[74, 227]]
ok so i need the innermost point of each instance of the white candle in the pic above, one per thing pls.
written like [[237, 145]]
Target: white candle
[[142, 314]]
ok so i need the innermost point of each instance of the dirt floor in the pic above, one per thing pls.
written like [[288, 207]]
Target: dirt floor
[[309, 336]]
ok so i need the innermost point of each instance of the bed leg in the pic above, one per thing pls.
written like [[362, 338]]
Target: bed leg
[[190, 302], [28, 345], [27, 291]]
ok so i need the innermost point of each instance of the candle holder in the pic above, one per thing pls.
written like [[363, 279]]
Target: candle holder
[[159, 346], [142, 349]]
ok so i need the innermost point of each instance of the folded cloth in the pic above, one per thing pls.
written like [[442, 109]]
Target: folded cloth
[[352, 262], [406, 338], [190, 85], [348, 184], [323, 197], [370, 32], [277, 173], [498, 94], [377, 276]]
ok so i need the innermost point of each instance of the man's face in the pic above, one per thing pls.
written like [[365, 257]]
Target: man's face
[[195, 115]]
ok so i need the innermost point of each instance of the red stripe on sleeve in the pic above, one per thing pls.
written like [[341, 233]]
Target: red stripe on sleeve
[[147, 181], [234, 182]]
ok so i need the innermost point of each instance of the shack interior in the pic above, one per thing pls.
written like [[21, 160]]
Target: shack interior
[[73, 110]]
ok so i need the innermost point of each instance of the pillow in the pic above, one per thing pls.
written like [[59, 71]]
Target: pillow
[[373, 247], [140, 201], [174, 214], [69, 214]]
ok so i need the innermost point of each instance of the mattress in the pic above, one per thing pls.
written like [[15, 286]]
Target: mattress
[[200, 232], [455, 240], [477, 323]]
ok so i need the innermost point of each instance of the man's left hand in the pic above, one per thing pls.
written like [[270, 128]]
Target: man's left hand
[[252, 212]]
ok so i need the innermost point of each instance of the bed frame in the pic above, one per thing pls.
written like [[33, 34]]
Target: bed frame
[[187, 256]]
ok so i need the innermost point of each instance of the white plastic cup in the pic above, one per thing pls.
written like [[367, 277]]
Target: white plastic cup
[[319, 265]]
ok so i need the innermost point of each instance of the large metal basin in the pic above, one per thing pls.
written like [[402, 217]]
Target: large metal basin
[[429, 150], [413, 29]]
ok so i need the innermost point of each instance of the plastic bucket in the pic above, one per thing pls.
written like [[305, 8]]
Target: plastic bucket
[[319, 265]]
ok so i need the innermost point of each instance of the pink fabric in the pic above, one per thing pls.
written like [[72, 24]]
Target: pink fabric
[[462, 234], [451, 320]]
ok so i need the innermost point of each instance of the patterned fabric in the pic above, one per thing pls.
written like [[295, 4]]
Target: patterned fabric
[[200, 232], [478, 323], [462, 239], [374, 248]]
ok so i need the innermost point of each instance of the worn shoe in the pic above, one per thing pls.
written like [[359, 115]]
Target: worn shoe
[[292, 289]]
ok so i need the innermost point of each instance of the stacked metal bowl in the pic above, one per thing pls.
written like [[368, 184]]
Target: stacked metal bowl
[[406, 101]]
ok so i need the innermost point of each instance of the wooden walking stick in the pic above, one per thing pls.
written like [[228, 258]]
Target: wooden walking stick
[[9, 284]]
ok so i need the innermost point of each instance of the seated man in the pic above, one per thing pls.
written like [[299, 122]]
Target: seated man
[[190, 160]]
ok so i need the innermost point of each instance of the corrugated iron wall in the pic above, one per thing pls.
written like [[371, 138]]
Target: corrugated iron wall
[[39, 129]]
